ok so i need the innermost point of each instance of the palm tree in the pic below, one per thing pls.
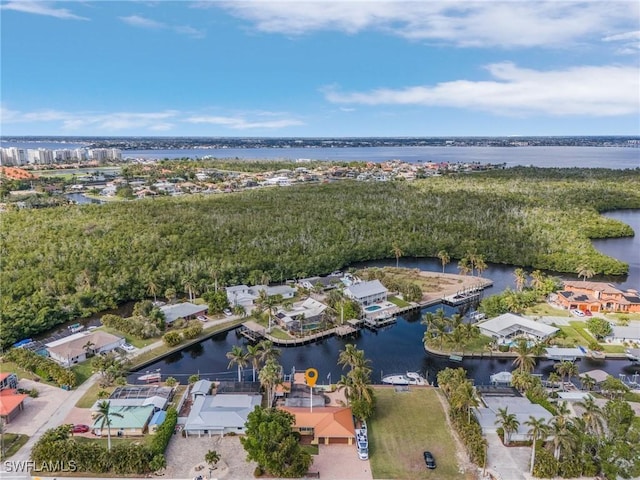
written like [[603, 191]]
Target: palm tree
[[585, 271], [525, 361], [537, 280], [240, 311], [481, 265], [538, 430], [554, 379], [270, 376], [521, 278], [238, 357], [347, 357], [397, 251], [562, 436], [588, 382], [464, 398], [104, 416], [508, 422], [464, 267], [87, 347], [253, 354], [212, 458], [444, 258], [268, 351], [592, 415], [152, 289]]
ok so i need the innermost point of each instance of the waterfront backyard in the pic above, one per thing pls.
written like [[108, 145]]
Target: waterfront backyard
[[404, 425]]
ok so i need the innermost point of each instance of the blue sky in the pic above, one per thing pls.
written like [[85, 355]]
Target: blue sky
[[327, 68]]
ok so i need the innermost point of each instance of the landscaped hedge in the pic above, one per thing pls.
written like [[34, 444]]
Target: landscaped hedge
[[165, 430], [471, 435], [43, 366]]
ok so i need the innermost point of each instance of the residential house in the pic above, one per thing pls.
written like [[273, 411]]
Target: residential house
[[521, 407], [200, 388], [508, 326], [240, 295], [184, 311], [132, 422], [327, 425], [220, 414], [327, 283], [598, 297], [74, 348], [309, 311], [367, 293]]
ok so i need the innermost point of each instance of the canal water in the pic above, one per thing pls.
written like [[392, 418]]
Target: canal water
[[398, 348]]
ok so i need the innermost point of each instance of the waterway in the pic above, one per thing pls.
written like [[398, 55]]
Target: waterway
[[398, 347], [553, 156]]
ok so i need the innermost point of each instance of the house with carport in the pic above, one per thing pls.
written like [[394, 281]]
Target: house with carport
[[327, 425], [11, 404], [184, 311]]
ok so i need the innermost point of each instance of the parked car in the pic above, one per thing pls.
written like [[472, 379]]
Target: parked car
[[80, 429], [227, 312], [587, 313], [429, 460], [128, 347], [577, 313], [202, 318]]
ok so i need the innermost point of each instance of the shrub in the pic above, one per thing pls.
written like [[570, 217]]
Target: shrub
[[258, 472], [164, 432], [172, 339]]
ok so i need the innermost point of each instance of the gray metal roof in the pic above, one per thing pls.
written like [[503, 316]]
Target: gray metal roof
[[366, 289], [216, 412], [182, 310]]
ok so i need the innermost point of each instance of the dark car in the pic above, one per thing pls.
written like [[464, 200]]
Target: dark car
[[429, 460], [80, 429]]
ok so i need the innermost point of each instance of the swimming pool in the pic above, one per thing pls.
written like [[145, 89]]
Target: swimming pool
[[373, 308]]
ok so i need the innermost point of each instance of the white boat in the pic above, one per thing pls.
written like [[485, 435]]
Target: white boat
[[409, 378], [151, 377]]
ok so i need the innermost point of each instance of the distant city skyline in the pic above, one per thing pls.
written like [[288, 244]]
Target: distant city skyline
[[320, 69]]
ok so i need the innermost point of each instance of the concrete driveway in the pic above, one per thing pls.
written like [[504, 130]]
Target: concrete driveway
[[339, 462], [507, 463]]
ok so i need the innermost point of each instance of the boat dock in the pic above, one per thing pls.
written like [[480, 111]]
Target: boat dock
[[381, 321], [468, 295]]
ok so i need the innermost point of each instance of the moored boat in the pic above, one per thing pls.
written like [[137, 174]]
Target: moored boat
[[408, 378]]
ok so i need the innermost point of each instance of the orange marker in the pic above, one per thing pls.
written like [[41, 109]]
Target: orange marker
[[311, 375]]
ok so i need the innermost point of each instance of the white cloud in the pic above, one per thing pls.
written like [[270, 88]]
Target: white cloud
[[597, 91], [165, 120], [239, 123], [458, 22], [629, 42], [41, 8], [144, 22]]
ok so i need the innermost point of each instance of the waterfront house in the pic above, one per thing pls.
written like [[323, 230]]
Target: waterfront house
[[598, 297], [74, 348], [184, 311], [367, 293], [220, 414], [622, 334], [327, 425], [285, 291], [521, 407], [303, 313], [200, 388], [508, 326], [240, 295]]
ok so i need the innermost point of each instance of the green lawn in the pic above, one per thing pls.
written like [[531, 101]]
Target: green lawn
[[577, 334], [399, 302], [403, 426], [544, 309], [83, 371], [91, 395], [135, 341], [11, 443]]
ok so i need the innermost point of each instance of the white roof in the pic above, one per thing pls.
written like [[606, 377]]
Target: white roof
[[201, 386], [506, 323], [365, 289], [597, 375], [630, 332], [216, 412], [565, 352]]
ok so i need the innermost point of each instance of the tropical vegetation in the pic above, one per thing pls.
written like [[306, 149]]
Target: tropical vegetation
[[66, 262], [357, 382], [270, 441]]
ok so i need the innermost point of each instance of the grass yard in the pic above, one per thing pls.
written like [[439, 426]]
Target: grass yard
[[130, 339], [83, 371], [398, 302], [544, 309], [403, 426], [11, 443], [91, 395]]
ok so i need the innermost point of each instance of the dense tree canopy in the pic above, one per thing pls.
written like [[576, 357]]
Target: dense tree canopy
[[61, 263]]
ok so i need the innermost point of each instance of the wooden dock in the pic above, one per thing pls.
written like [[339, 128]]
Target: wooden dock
[[468, 295]]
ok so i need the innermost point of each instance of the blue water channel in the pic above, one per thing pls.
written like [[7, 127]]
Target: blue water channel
[[398, 347]]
